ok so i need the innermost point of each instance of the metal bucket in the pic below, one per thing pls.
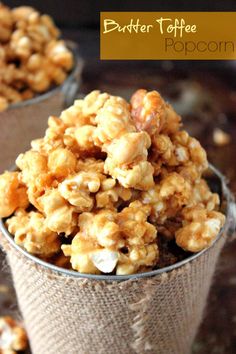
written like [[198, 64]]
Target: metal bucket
[[67, 312]]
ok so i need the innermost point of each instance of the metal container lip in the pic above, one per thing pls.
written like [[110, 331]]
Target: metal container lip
[[111, 278], [51, 92]]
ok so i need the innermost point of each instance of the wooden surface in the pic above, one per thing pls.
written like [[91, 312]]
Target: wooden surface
[[205, 94]]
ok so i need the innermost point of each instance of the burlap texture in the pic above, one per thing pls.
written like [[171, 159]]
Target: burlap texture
[[68, 315]]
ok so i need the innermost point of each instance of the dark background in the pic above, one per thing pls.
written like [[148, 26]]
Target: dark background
[[78, 13]]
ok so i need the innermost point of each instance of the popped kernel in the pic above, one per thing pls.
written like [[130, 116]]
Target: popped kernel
[[80, 252], [152, 114], [200, 228], [139, 176], [13, 335], [83, 112], [13, 194], [168, 197], [114, 178], [98, 246], [32, 233], [129, 149], [61, 162], [102, 228], [113, 120], [77, 189], [60, 215], [33, 59]]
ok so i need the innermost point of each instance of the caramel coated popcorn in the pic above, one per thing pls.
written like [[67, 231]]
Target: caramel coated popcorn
[[108, 181], [13, 338], [32, 57]]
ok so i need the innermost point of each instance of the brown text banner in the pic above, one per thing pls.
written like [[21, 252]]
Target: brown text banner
[[168, 35]]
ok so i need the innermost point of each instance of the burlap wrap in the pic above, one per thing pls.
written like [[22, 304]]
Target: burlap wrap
[[68, 315]]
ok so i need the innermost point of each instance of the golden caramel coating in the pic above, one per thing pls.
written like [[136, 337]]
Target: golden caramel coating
[[61, 162], [103, 236], [109, 176], [32, 164], [77, 189], [134, 226], [137, 258], [201, 194], [13, 336], [32, 58], [90, 164], [57, 53], [129, 148], [80, 140], [112, 195], [152, 114], [35, 174], [3, 103], [148, 111], [53, 138], [60, 215], [13, 194], [80, 252], [102, 228], [10, 93], [32, 233], [139, 176], [179, 151], [6, 23], [167, 197], [113, 120], [200, 228], [83, 112]]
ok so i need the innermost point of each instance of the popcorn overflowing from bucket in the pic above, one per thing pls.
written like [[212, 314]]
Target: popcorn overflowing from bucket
[[109, 179]]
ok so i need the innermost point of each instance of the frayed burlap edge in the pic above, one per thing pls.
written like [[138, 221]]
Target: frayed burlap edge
[[68, 315]]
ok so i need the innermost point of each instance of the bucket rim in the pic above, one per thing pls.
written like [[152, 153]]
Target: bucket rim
[[74, 274], [78, 63]]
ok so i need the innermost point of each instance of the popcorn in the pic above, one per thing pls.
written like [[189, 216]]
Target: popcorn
[[61, 162], [81, 140], [129, 149], [32, 57], [103, 235], [167, 197], [102, 228], [77, 189], [80, 252], [111, 195], [13, 194], [148, 111], [83, 112], [105, 260], [113, 120], [32, 233], [139, 257], [200, 228], [139, 176], [13, 337], [201, 194], [60, 216], [113, 178], [179, 152], [152, 114]]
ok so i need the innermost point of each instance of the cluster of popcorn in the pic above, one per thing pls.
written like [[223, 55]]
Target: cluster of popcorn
[[32, 58], [106, 181], [13, 338]]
